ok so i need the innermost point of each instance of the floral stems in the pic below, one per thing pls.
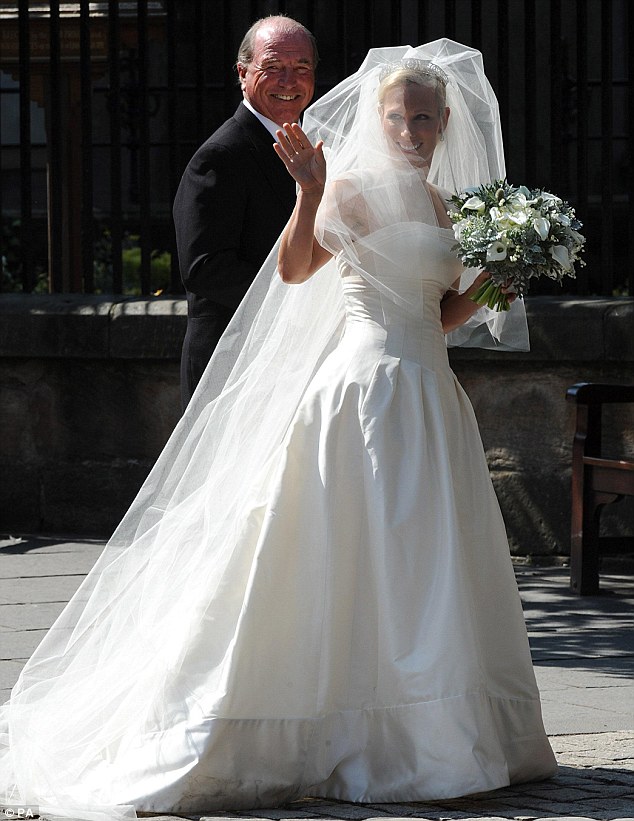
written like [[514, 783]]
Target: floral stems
[[492, 296]]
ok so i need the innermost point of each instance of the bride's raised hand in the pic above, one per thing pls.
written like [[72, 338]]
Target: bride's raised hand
[[305, 162]]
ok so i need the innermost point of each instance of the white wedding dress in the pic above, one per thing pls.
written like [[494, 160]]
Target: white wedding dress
[[365, 639]]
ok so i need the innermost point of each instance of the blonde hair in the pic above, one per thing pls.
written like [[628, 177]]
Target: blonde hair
[[403, 75]]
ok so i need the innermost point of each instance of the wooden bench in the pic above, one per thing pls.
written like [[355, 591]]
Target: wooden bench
[[596, 482]]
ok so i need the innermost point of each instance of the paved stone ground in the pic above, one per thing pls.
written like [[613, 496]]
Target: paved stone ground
[[583, 651]]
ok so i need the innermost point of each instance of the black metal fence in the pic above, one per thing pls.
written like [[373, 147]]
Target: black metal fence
[[103, 103]]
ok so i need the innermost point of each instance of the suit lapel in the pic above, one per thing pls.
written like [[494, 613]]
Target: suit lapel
[[272, 168]]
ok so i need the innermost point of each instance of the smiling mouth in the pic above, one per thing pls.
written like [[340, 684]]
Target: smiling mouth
[[285, 98], [410, 149]]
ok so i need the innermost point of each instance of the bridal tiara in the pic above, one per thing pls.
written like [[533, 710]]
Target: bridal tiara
[[425, 67]]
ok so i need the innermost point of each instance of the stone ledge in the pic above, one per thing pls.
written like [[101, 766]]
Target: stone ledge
[[574, 329], [147, 328], [79, 326]]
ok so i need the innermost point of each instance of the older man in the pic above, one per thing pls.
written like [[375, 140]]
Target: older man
[[235, 195]]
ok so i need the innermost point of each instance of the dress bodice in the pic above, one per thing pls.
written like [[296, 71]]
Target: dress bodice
[[408, 263], [392, 290]]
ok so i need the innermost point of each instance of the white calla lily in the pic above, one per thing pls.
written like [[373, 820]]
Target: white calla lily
[[542, 226], [496, 251], [474, 204], [560, 254], [578, 238]]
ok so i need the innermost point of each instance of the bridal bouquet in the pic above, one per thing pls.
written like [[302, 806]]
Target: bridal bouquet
[[514, 234]]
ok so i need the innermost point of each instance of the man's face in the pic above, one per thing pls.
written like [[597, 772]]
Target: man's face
[[280, 80]]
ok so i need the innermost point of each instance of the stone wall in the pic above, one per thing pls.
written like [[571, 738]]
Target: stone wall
[[89, 393]]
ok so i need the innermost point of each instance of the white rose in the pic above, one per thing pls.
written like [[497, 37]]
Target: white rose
[[521, 218], [517, 201], [501, 218]]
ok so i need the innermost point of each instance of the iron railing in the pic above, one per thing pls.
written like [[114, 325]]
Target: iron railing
[[103, 103]]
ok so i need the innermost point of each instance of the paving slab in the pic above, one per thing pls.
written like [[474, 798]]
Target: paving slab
[[19, 643], [27, 545], [35, 564], [25, 590], [30, 616]]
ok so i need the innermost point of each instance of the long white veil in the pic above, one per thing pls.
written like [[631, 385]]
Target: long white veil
[[106, 675]]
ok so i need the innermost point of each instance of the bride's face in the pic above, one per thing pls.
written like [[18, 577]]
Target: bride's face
[[412, 119]]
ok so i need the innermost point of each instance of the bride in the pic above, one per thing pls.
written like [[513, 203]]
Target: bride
[[312, 593]]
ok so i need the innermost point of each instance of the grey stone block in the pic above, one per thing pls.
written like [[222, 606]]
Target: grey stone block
[[148, 329], [72, 494], [69, 325], [567, 329], [19, 497], [619, 331]]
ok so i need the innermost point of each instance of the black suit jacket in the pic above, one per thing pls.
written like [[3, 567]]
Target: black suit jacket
[[232, 203]]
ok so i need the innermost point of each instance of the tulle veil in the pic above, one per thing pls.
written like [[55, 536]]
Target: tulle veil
[[105, 677]]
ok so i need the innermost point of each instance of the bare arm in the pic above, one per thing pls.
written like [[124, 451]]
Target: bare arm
[[456, 309], [300, 254]]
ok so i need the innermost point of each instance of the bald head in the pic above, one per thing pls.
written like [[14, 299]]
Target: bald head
[[280, 23]]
